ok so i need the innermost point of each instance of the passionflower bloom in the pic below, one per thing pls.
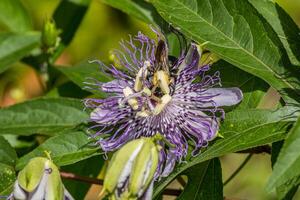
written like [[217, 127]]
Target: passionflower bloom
[[154, 94]]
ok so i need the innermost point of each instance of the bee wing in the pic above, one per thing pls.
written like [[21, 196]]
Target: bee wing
[[161, 57]]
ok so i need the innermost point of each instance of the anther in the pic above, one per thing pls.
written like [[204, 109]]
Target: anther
[[142, 73], [127, 91], [160, 106]]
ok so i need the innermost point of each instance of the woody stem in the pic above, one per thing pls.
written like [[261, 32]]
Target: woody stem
[[75, 177]]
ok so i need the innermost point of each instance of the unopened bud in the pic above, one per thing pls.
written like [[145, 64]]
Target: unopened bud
[[208, 59], [130, 174], [40, 179], [50, 35]]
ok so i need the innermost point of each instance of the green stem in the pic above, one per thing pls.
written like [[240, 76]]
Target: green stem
[[238, 169], [75, 177]]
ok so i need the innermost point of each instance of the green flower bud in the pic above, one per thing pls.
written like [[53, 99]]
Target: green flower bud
[[131, 171], [50, 35], [207, 58], [40, 179]]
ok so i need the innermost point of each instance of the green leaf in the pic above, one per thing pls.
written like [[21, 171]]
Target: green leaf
[[85, 72], [65, 149], [90, 168], [283, 24], [173, 45], [204, 181], [8, 155], [242, 129], [43, 116], [276, 147], [15, 46], [68, 16], [14, 16], [253, 88], [132, 8], [284, 192], [18, 143], [7, 179], [234, 31], [141, 10], [8, 158], [81, 2], [68, 89], [286, 170]]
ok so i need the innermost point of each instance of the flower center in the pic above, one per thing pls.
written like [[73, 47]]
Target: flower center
[[151, 92]]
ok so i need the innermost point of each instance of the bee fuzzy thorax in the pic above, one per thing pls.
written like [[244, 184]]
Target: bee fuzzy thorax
[[162, 80]]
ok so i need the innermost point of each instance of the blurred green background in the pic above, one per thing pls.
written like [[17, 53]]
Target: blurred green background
[[99, 33]]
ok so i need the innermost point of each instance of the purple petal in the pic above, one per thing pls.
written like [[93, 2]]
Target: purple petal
[[170, 164], [223, 96]]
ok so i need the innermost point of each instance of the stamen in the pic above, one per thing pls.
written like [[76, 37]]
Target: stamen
[[138, 84], [160, 106], [155, 98], [147, 91], [144, 113], [127, 91], [141, 75]]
